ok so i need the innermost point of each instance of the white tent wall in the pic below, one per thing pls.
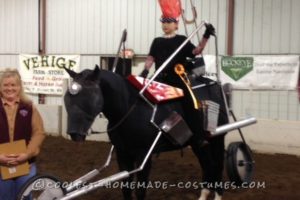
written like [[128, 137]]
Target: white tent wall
[[8, 60], [267, 27], [19, 26], [93, 29]]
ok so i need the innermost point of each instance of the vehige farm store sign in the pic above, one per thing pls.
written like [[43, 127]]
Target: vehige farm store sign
[[45, 74]]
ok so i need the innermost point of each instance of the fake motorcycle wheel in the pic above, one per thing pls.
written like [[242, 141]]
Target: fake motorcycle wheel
[[42, 187], [239, 163]]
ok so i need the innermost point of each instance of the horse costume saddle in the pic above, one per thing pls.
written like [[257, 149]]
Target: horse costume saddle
[[156, 92], [175, 128]]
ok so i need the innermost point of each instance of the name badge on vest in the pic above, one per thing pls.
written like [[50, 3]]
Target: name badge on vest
[[23, 112]]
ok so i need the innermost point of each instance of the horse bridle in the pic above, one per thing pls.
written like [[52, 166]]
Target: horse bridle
[[118, 123], [74, 88]]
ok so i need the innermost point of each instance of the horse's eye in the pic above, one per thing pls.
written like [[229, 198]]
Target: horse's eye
[[74, 88]]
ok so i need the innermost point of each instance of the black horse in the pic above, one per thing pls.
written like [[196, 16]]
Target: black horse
[[103, 91]]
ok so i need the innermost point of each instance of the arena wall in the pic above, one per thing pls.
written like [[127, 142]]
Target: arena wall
[[267, 136], [270, 136]]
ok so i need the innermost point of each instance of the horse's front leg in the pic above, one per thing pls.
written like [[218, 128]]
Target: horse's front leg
[[209, 168], [143, 179], [126, 163]]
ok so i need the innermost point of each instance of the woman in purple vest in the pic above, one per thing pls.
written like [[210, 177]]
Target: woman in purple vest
[[19, 119]]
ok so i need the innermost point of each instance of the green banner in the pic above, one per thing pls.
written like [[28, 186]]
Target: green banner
[[236, 67]]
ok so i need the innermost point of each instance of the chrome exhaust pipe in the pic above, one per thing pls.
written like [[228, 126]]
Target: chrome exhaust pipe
[[232, 126], [92, 186]]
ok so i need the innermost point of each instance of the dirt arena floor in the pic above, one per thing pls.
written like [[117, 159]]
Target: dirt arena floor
[[277, 177]]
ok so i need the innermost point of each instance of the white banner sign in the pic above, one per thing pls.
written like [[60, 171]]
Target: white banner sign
[[256, 72], [45, 74]]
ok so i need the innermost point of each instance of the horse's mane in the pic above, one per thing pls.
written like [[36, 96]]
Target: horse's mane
[[118, 92], [121, 85]]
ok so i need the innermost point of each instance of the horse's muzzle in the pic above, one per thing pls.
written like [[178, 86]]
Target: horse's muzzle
[[77, 137]]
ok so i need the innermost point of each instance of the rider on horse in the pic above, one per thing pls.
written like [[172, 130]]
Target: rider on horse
[[163, 47]]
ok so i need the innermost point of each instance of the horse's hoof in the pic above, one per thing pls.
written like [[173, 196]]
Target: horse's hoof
[[204, 194], [217, 196], [203, 143]]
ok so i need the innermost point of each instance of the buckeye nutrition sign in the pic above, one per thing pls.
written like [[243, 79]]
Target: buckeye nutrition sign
[[256, 72], [45, 74], [261, 72]]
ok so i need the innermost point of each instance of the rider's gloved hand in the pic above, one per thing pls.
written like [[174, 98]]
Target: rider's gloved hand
[[210, 30], [144, 73]]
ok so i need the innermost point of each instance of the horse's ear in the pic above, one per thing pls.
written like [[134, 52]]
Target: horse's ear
[[97, 68], [71, 72], [96, 73]]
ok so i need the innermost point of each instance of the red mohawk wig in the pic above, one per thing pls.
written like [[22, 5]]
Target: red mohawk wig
[[171, 10]]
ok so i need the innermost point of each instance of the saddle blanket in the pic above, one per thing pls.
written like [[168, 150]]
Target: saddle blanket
[[156, 92]]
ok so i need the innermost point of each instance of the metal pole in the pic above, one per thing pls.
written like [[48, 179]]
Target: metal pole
[[87, 177], [116, 177], [123, 39], [236, 125], [193, 20], [92, 186], [148, 154]]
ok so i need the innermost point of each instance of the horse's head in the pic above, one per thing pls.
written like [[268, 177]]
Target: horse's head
[[83, 101]]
